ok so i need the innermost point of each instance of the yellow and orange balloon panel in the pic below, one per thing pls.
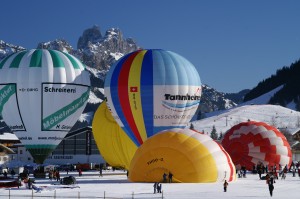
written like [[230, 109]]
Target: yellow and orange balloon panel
[[190, 156], [113, 143]]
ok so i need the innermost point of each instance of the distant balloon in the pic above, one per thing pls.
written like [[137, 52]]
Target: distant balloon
[[152, 90], [42, 94], [113, 143], [190, 156], [250, 143]]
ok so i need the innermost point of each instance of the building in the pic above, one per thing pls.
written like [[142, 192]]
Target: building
[[77, 147], [296, 146]]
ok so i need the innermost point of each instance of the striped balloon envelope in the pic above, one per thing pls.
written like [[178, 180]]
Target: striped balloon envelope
[[114, 145], [190, 156], [152, 90], [42, 94], [251, 143]]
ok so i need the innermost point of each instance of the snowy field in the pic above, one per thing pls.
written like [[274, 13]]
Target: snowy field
[[115, 185]]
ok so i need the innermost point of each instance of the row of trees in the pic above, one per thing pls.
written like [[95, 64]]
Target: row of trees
[[288, 77]]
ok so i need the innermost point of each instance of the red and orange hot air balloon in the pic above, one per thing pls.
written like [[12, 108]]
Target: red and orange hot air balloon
[[251, 143]]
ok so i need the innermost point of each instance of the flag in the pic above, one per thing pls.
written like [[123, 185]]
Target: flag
[[133, 89]]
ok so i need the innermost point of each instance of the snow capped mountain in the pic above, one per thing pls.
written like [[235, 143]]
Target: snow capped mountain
[[100, 52], [212, 100], [7, 49]]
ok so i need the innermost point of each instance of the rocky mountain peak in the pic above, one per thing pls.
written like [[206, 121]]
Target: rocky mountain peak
[[90, 35], [7, 49], [57, 44], [213, 100], [100, 52]]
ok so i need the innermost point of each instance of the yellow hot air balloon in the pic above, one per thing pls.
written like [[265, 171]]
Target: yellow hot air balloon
[[113, 143], [190, 156]]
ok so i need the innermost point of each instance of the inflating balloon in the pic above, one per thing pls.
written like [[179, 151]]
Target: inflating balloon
[[152, 90], [113, 143], [251, 143], [42, 94], [190, 156]]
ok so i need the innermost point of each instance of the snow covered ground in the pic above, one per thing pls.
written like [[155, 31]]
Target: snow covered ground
[[275, 115], [115, 185]]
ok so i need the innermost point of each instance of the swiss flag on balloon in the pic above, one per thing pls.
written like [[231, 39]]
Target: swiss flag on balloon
[[133, 89]]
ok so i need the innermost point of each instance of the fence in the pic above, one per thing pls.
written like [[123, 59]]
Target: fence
[[35, 195]]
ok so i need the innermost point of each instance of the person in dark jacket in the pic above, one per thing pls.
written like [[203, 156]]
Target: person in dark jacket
[[225, 185], [170, 177], [158, 187], [271, 182], [164, 177], [155, 187]]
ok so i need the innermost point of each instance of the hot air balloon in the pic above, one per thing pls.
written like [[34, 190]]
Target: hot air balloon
[[190, 156], [113, 143], [152, 90], [42, 94], [251, 143]]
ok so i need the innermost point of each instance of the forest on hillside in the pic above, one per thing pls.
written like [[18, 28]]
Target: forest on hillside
[[289, 77]]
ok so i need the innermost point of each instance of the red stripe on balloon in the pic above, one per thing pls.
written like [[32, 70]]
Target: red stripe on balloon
[[124, 97], [228, 161]]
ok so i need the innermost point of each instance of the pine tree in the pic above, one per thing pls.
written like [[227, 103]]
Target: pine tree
[[213, 133], [220, 136]]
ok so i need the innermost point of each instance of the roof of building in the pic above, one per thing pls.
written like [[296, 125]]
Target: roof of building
[[8, 136]]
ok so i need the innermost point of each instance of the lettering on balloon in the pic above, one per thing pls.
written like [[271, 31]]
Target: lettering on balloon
[[5, 93], [63, 127], [155, 160], [182, 97], [50, 138], [25, 138], [16, 127], [172, 117], [28, 89], [181, 103], [59, 90], [134, 101], [58, 116]]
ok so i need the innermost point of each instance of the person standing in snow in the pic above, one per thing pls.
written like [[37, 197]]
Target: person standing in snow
[[225, 185], [158, 187], [170, 177], [271, 182], [155, 186], [164, 177]]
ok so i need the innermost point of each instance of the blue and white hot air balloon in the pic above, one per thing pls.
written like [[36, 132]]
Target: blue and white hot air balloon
[[152, 90]]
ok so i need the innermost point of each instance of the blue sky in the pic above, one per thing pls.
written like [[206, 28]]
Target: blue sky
[[234, 43]]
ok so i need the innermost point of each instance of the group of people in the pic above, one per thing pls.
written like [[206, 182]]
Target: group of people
[[54, 175], [165, 178], [157, 187], [170, 177]]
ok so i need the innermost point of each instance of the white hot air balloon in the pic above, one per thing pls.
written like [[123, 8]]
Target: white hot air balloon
[[42, 94]]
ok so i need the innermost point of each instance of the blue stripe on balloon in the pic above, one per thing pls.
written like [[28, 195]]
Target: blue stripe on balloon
[[147, 92], [188, 69], [186, 105], [113, 80], [172, 69]]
